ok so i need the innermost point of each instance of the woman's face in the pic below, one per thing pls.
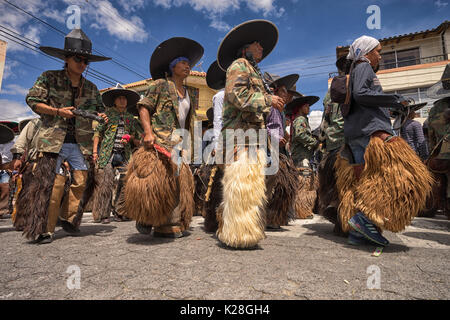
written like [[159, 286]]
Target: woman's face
[[304, 109], [374, 57]]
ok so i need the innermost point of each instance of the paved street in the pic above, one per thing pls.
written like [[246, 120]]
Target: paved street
[[304, 261]]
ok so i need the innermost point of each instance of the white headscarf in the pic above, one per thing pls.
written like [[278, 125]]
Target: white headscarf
[[362, 46]]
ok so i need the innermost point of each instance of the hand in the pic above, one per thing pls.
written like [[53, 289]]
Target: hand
[[125, 139], [17, 164], [66, 112], [283, 142], [95, 156], [277, 103], [149, 140], [104, 116], [405, 103]]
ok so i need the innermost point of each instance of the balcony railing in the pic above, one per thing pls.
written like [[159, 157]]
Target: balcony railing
[[412, 62], [403, 63]]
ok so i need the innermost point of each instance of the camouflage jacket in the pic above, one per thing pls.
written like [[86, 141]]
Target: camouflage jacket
[[246, 103], [26, 142], [438, 128], [303, 143], [161, 100], [107, 133], [332, 126], [54, 89]]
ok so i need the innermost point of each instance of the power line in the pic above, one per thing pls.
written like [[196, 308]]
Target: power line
[[23, 43], [36, 46], [62, 33]]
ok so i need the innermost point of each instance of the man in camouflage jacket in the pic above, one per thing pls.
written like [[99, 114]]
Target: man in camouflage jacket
[[332, 126], [62, 136], [303, 143]]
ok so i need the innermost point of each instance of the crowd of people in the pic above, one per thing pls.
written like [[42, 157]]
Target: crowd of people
[[135, 157]]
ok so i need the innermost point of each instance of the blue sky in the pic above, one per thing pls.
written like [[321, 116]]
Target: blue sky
[[129, 31]]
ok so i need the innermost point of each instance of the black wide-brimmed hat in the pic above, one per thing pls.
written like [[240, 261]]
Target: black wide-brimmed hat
[[23, 123], [276, 81], [343, 64], [298, 102], [262, 31], [442, 88], [171, 49], [210, 115], [109, 96], [75, 43], [215, 77], [6, 134], [13, 125], [294, 92]]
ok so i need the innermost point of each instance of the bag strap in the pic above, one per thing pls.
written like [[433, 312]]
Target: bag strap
[[349, 95]]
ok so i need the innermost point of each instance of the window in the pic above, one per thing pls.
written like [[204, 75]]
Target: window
[[402, 58], [408, 57], [387, 61]]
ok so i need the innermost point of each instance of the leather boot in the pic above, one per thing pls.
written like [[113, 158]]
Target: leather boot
[[75, 194], [173, 228], [55, 202]]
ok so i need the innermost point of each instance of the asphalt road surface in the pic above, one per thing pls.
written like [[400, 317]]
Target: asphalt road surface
[[303, 261]]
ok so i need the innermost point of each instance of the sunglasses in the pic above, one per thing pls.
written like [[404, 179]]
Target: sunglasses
[[78, 59]]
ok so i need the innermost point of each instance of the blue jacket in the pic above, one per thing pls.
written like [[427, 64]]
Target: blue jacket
[[369, 109]]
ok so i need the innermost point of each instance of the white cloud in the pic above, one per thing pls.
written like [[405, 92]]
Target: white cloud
[[315, 118], [215, 9], [440, 4], [132, 5], [14, 89], [15, 111], [102, 15], [8, 72]]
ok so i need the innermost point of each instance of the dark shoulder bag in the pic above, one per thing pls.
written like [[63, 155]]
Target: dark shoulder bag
[[341, 92]]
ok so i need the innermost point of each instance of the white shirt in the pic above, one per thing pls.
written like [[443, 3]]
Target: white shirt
[[183, 109], [217, 122], [5, 151]]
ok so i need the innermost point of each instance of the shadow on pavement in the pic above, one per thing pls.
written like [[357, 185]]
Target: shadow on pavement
[[325, 231], [146, 240], [432, 236], [8, 229], [435, 223]]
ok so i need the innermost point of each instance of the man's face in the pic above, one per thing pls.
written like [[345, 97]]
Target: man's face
[[374, 57], [256, 50], [282, 93], [121, 102], [77, 64]]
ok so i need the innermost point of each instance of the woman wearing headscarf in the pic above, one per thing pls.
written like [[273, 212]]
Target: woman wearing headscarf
[[382, 183]]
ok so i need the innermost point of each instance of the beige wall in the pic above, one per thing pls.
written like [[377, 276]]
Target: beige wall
[[3, 46], [205, 93], [447, 43], [428, 47], [408, 77]]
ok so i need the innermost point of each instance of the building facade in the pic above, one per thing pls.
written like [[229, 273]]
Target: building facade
[[412, 63], [196, 79], [3, 46]]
